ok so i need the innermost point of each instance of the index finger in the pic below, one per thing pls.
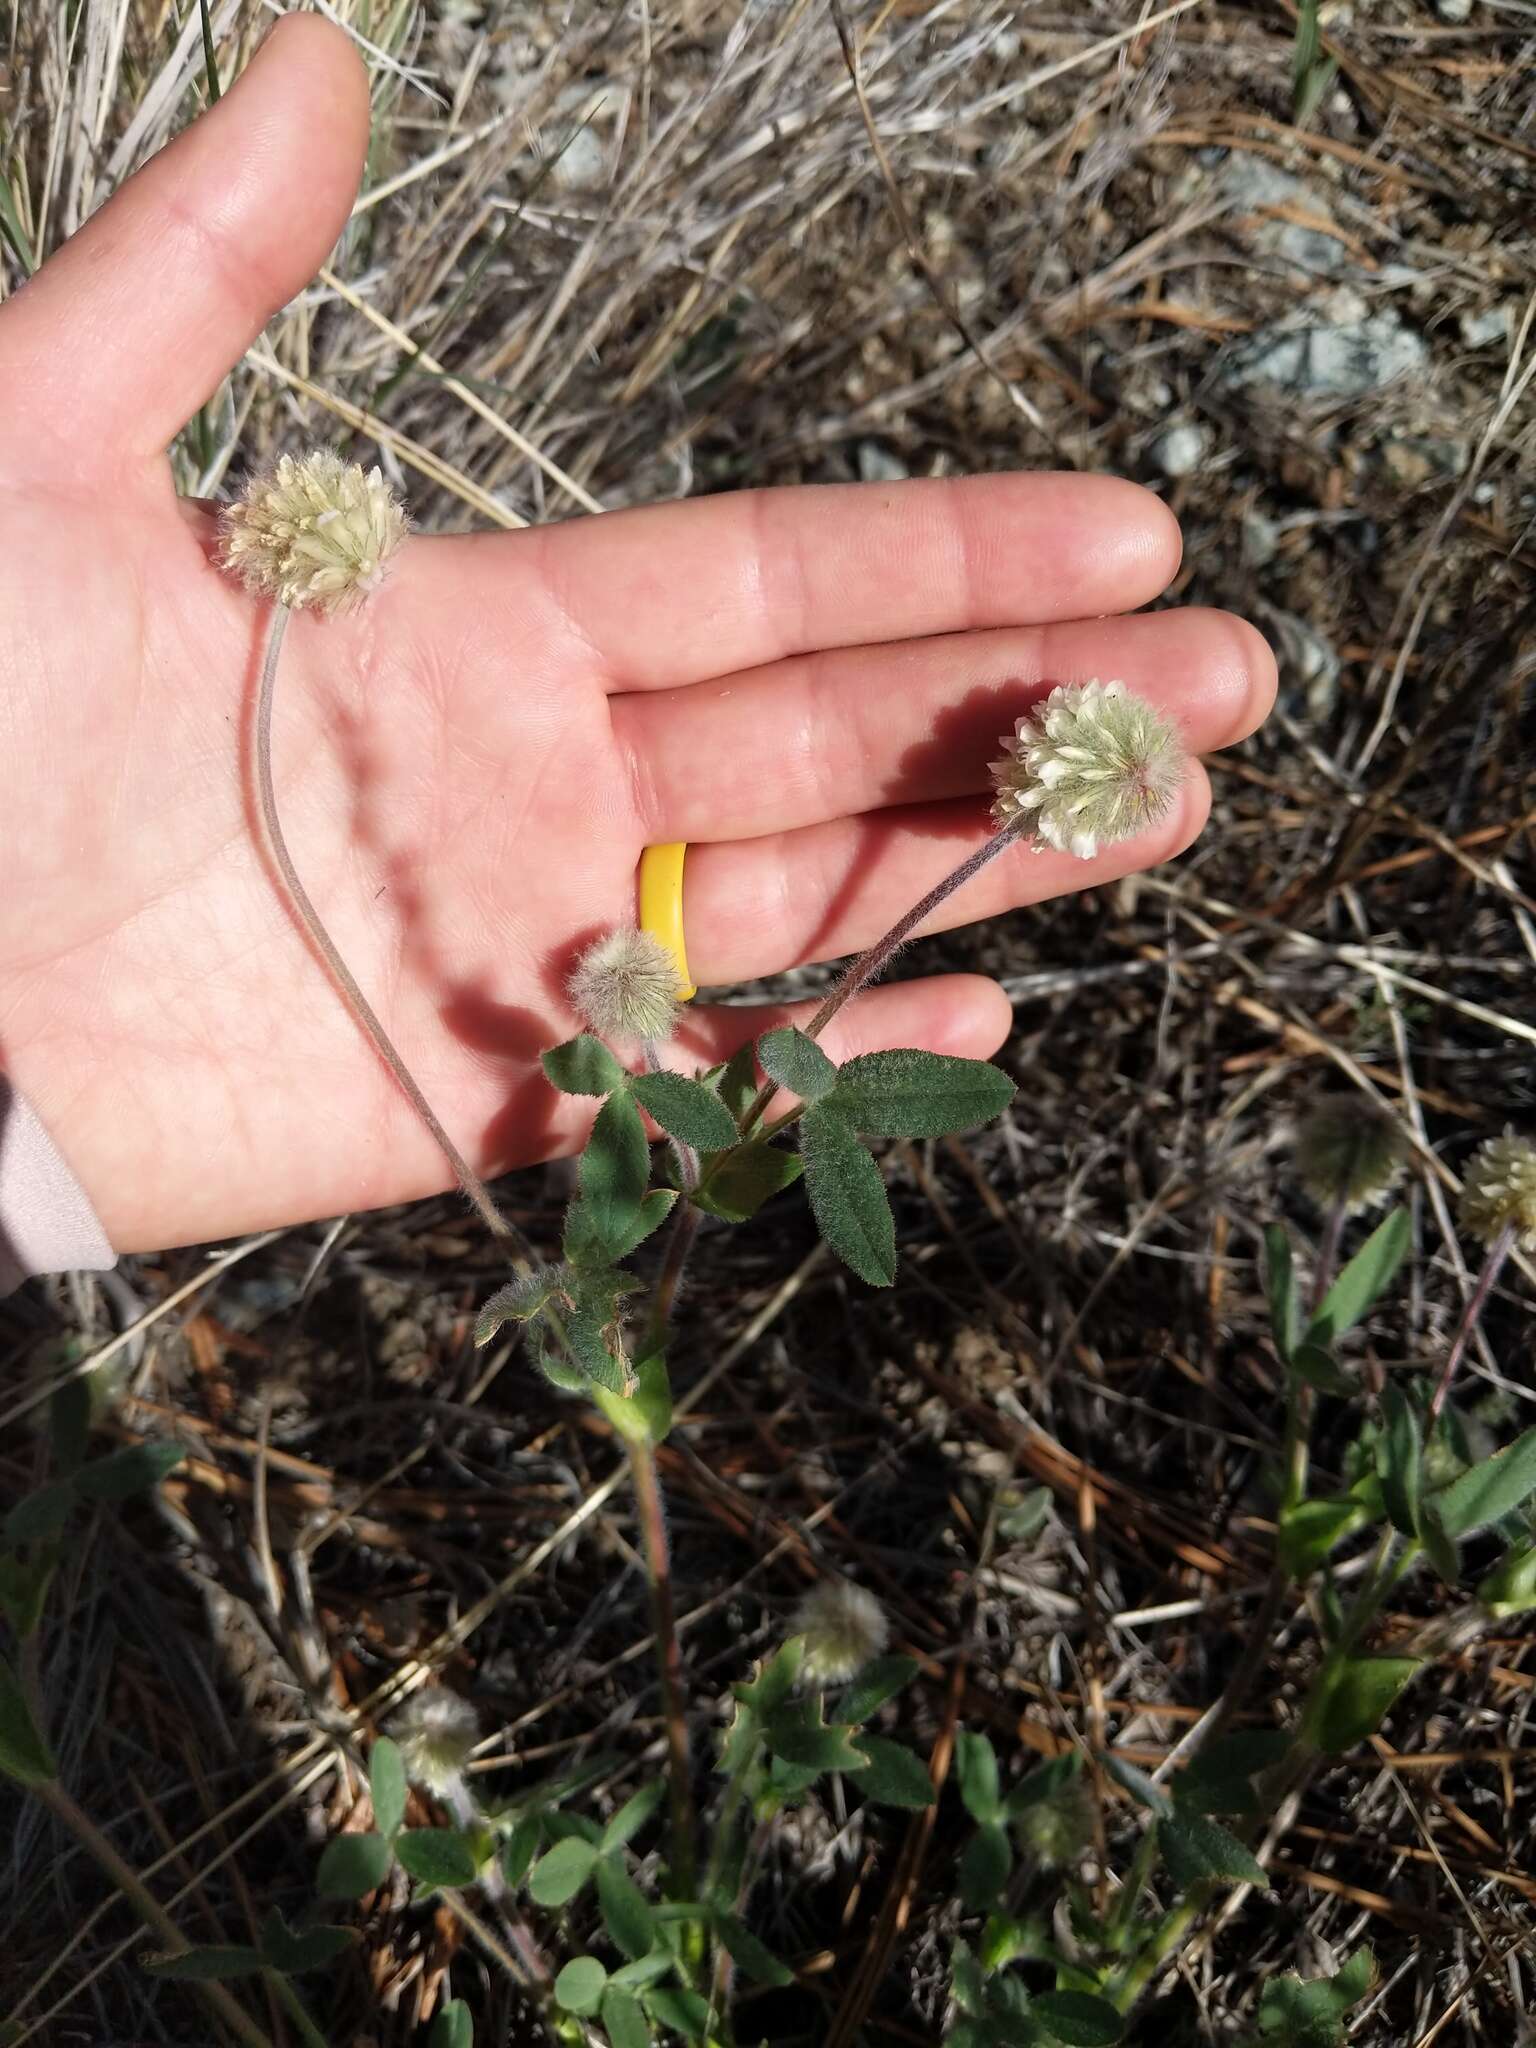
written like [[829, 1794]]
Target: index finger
[[682, 593]]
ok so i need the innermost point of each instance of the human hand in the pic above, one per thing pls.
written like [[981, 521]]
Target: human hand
[[805, 685]]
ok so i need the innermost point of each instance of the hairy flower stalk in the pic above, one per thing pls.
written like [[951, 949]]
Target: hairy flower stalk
[[317, 533], [1498, 1207]]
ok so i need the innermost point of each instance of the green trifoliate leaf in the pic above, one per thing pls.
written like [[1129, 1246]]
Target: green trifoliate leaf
[[1363, 1281], [1315, 1364], [352, 1865], [580, 1985], [748, 1953], [125, 1473], [523, 1299], [848, 1196], [595, 1329], [632, 1816], [558, 1876], [436, 1856], [1310, 1530], [873, 1684], [583, 1066], [386, 1784], [685, 2012], [894, 1774], [914, 1094], [1489, 1490], [1079, 2019], [1220, 1778], [1400, 1459], [454, 2026], [585, 1246], [626, 1914], [797, 1733], [614, 1169], [985, 1867], [1359, 1698], [775, 1683], [687, 1110], [980, 1780], [623, 2018], [310, 1949], [796, 1063], [1195, 1849], [735, 1185]]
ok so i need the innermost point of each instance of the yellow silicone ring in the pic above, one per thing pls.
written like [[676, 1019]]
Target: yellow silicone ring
[[661, 906]]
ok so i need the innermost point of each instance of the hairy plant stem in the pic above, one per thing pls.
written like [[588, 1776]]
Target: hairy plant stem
[[474, 1188], [669, 1662], [150, 1911], [1498, 1252], [878, 957]]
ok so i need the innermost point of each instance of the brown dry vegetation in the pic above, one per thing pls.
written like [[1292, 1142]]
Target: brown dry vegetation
[[653, 242]]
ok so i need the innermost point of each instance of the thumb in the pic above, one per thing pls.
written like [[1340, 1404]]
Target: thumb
[[126, 331]]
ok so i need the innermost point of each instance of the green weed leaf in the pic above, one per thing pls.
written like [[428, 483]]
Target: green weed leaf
[[1400, 1459], [687, 1110], [1359, 1698], [623, 2021], [127, 1472], [914, 1094], [736, 1082], [626, 1913], [1310, 1530], [736, 1184], [894, 1775], [310, 1949], [583, 1066], [1196, 1849], [683, 2011], [797, 1063], [1138, 1784], [436, 1856], [774, 1684], [873, 1684], [976, 1768], [1489, 1490], [520, 1300], [39, 1516], [1079, 2020], [985, 1867], [748, 1953], [797, 1733], [558, 1876], [454, 2026], [352, 1865], [1045, 1781], [580, 1985], [386, 1785], [848, 1196], [24, 1589], [614, 1169], [1363, 1281], [632, 1816], [1318, 1367]]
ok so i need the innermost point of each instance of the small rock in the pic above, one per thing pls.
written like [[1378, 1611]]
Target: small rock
[[1254, 183], [1417, 460], [1347, 361], [1485, 330], [879, 465], [1261, 539], [1454, 11], [581, 164], [1309, 667], [1179, 450]]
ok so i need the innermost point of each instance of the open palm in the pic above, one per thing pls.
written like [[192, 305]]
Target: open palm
[[805, 685]]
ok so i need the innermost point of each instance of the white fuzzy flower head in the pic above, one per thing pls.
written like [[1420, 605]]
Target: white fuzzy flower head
[[626, 986], [313, 532], [1500, 1189], [437, 1732], [843, 1626], [1093, 764], [1349, 1151]]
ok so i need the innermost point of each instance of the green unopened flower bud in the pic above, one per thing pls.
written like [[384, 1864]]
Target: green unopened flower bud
[[1349, 1151], [312, 532], [1500, 1189], [625, 986], [1510, 1588], [843, 1626], [437, 1732], [1094, 764]]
